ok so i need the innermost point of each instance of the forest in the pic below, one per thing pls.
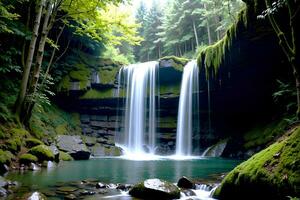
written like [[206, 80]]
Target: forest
[[138, 99]]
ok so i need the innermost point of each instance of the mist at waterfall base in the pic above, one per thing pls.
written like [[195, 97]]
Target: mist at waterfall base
[[139, 84]]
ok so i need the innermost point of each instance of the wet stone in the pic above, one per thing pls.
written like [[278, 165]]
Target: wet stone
[[70, 197], [67, 189], [100, 185]]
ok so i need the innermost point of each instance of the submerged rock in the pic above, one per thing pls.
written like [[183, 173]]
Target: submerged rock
[[100, 150], [155, 189], [185, 183], [70, 197], [74, 146]]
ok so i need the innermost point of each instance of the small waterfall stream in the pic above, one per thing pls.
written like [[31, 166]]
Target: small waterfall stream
[[188, 109], [139, 117]]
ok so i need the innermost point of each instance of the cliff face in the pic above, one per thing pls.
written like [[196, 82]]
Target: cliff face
[[243, 69]]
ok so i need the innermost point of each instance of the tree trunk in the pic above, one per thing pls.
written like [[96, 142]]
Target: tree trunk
[[25, 76], [24, 43], [208, 28], [195, 32], [40, 54], [47, 25]]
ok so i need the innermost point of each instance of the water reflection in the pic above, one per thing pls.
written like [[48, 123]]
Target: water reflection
[[113, 170]]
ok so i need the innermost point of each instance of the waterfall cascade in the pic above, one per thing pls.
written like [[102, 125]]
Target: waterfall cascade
[[188, 111], [138, 82]]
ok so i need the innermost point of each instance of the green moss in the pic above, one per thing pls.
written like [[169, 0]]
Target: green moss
[[52, 121], [95, 94], [65, 84], [16, 132], [42, 152], [32, 142], [64, 156], [178, 63], [273, 173], [213, 56], [108, 75], [82, 74], [28, 158], [260, 136], [61, 129], [5, 157], [13, 144], [173, 90]]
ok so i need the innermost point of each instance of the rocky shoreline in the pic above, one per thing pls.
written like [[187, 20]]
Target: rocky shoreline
[[94, 189]]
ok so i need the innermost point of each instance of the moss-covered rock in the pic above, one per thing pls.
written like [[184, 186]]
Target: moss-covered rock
[[65, 156], [14, 132], [13, 144], [108, 74], [273, 173], [155, 189], [176, 62], [51, 121], [32, 142], [5, 157], [42, 152], [28, 158]]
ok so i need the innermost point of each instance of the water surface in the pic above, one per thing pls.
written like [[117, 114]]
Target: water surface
[[117, 170]]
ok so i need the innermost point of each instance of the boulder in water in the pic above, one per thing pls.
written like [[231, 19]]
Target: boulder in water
[[155, 189], [36, 196], [185, 183], [74, 146], [216, 150]]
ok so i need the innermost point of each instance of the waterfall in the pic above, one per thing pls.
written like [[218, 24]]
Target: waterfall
[[188, 109], [139, 117]]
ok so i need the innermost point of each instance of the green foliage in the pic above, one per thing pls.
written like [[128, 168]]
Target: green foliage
[[8, 91], [6, 15], [65, 156], [116, 55], [260, 136], [42, 152], [5, 157], [178, 28], [32, 142], [286, 95], [273, 173], [27, 159]]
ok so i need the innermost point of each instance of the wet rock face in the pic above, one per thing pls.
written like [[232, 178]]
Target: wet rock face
[[185, 183], [155, 189], [74, 146]]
